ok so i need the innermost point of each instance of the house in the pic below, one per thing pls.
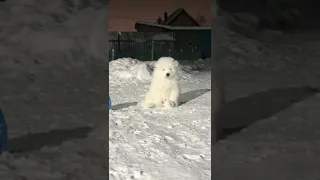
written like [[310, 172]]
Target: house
[[187, 30], [123, 15], [178, 19]]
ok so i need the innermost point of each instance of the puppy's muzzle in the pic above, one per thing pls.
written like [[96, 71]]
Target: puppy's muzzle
[[168, 74]]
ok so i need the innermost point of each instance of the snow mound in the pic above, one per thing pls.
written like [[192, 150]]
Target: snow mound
[[128, 69], [133, 70]]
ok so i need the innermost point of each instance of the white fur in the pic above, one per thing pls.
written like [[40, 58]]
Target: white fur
[[164, 90]]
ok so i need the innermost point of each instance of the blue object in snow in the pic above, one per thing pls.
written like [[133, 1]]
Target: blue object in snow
[[110, 105], [3, 133]]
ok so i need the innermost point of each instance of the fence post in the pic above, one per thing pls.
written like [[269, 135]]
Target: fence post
[[170, 53], [152, 49], [118, 41], [112, 54]]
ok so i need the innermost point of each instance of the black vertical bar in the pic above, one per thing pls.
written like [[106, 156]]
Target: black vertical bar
[[217, 86]]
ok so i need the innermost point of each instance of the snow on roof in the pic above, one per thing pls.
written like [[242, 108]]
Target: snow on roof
[[174, 27]]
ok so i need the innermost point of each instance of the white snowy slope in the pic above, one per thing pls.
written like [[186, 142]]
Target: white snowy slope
[[155, 144]]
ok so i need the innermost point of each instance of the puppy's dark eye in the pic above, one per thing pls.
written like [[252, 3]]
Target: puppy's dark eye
[[163, 69], [170, 69]]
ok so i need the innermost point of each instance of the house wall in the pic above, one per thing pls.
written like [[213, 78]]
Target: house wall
[[201, 39]]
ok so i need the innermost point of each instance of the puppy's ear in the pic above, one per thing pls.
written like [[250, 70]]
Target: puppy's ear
[[176, 63]]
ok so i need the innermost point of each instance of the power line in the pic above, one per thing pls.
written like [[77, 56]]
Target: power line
[[136, 18]]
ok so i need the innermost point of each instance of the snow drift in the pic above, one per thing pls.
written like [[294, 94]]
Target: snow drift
[[128, 69], [133, 70]]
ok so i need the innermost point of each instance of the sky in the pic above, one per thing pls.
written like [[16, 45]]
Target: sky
[[124, 13]]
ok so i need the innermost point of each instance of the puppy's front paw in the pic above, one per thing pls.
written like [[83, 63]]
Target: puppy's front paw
[[172, 104], [167, 104]]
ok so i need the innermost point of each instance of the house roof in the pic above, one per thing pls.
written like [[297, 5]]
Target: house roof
[[175, 14], [173, 27]]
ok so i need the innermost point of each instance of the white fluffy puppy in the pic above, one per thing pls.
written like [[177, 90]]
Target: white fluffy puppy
[[164, 90]]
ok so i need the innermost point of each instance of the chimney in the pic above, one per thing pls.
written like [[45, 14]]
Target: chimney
[[165, 15]]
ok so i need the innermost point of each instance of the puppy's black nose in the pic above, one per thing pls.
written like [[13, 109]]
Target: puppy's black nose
[[168, 74]]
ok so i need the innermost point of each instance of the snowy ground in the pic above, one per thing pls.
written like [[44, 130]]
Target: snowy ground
[[175, 144], [158, 143]]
